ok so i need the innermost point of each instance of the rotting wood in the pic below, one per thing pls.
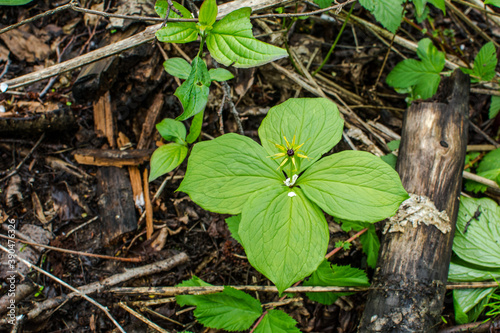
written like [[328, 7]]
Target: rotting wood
[[410, 278], [150, 122], [60, 120], [103, 119], [116, 204], [148, 207], [112, 157], [146, 36]]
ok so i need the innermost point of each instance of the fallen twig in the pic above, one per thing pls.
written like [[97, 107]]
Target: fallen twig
[[75, 291]]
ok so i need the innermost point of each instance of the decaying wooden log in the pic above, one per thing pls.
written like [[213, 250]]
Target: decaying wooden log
[[112, 157], [408, 288], [60, 120], [116, 204]]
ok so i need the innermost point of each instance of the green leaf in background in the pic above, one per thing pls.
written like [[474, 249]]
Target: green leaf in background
[[166, 158], [175, 32], [323, 3], [394, 145], [231, 310], [462, 271], [489, 168], [479, 244], [233, 224], [388, 12], [369, 240], [14, 2], [423, 75], [469, 303], [172, 130], [195, 129], [220, 74], [193, 300], [492, 2], [224, 172], [333, 275], [285, 236], [390, 159], [177, 67], [494, 106], [420, 5], [438, 4], [277, 321], [231, 42], [208, 13], [316, 122], [354, 185], [484, 64], [193, 93]]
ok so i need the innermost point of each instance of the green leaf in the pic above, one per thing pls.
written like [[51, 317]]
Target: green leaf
[[420, 5], [316, 122], [177, 67], [233, 223], [480, 244], [333, 275], [369, 240], [208, 13], [394, 145], [172, 130], [492, 2], [192, 300], [231, 310], [461, 271], [484, 64], [438, 4], [193, 93], [231, 42], [285, 236], [388, 12], [223, 173], [323, 3], [277, 321], [489, 168], [423, 75], [469, 303], [390, 159], [14, 2], [354, 185], [195, 130], [166, 158], [494, 106], [220, 74], [175, 32]]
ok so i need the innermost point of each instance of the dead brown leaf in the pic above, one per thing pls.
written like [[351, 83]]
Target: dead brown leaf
[[25, 46]]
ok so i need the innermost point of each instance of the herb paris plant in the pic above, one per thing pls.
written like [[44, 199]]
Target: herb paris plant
[[283, 228]]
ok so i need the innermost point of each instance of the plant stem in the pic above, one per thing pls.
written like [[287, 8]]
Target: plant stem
[[335, 42]]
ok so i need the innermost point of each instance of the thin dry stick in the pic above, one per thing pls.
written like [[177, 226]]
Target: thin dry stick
[[71, 251], [142, 318], [74, 290], [13, 172], [100, 286], [486, 136], [481, 180]]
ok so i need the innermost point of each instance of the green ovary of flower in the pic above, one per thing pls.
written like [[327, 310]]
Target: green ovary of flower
[[289, 152]]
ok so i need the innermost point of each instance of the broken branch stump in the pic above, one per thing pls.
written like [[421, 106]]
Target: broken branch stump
[[409, 285]]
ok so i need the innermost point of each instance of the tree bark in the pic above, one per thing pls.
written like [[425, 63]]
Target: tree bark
[[408, 288]]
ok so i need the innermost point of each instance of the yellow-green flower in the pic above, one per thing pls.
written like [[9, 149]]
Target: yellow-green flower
[[289, 152]]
